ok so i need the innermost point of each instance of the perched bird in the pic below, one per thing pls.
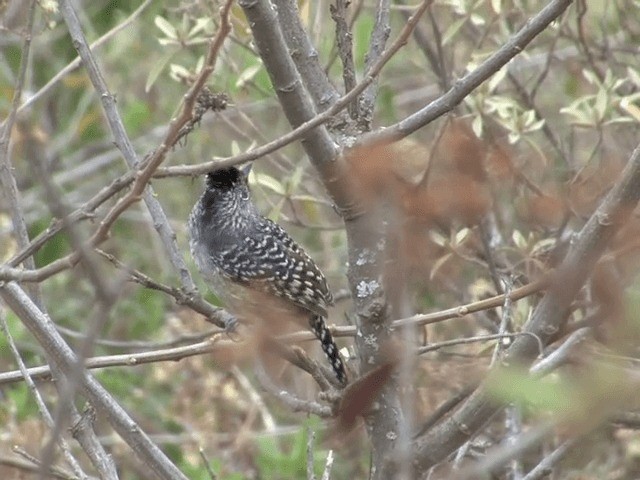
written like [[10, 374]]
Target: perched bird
[[252, 264]]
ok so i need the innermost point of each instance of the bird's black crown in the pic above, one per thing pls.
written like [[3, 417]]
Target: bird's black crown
[[225, 178]]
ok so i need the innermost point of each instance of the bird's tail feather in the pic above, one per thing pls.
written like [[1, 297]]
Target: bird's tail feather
[[329, 347]]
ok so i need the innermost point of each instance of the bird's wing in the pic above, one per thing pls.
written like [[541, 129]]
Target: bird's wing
[[296, 251], [275, 264]]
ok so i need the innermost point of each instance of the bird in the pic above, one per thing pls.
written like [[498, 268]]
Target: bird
[[251, 263]]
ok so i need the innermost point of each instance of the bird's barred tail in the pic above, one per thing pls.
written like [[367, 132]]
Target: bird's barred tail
[[329, 347]]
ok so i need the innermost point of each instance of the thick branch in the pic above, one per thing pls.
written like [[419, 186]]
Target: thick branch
[[305, 55], [296, 103]]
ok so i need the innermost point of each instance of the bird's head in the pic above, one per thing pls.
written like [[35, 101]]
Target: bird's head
[[227, 178], [227, 191]]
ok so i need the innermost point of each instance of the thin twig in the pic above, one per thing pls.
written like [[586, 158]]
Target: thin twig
[[344, 40], [547, 463], [377, 41], [326, 474], [75, 63], [310, 439], [304, 128], [65, 359], [7, 180], [292, 402], [473, 79], [42, 407]]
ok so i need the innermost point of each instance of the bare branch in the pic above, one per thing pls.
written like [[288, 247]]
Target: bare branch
[[32, 464], [75, 63], [344, 40], [546, 465], [198, 348], [140, 186], [472, 80], [559, 356], [549, 316], [288, 399], [44, 411], [7, 179], [305, 55], [310, 123], [310, 439], [378, 40], [61, 355], [326, 474]]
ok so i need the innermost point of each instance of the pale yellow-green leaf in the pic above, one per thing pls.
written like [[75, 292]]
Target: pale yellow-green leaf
[[619, 120], [452, 30], [601, 104], [536, 126], [519, 240], [167, 41], [590, 77], [617, 84], [276, 211], [157, 68], [461, 236], [529, 117], [247, 75], [235, 148], [476, 125], [310, 207], [294, 181], [178, 72], [184, 27], [271, 183], [200, 25], [634, 76], [496, 79], [200, 64], [477, 20], [438, 238], [166, 28], [305, 198], [630, 108]]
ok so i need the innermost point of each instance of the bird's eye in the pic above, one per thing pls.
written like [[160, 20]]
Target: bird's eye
[[244, 194]]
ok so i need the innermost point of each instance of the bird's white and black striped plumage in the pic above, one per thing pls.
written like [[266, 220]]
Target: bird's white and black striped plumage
[[240, 253]]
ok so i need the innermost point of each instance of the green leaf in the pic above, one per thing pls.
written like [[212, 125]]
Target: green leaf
[[476, 125], [166, 28], [519, 240], [157, 68], [294, 181], [200, 24], [247, 75], [514, 386], [135, 115], [452, 30], [269, 182]]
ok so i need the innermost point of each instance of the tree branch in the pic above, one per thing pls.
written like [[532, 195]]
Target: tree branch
[[378, 40], [305, 55], [61, 355], [472, 80], [548, 318]]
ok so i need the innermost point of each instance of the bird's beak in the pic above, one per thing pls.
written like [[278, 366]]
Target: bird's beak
[[246, 169]]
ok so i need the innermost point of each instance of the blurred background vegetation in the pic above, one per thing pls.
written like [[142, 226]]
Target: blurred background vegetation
[[534, 149]]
